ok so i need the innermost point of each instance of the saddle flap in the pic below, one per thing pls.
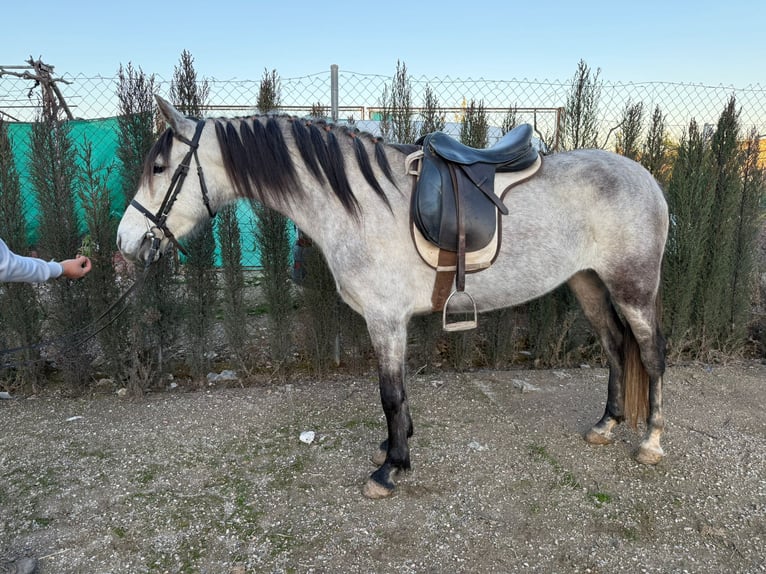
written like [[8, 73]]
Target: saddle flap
[[434, 209]]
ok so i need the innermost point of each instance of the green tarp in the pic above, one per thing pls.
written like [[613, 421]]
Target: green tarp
[[103, 134]]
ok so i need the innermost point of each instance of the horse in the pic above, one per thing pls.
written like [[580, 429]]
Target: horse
[[590, 218]]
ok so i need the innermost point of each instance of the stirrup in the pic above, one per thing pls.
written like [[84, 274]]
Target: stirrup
[[459, 325]]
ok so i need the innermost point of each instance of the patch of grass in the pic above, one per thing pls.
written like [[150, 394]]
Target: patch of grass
[[565, 477], [190, 554], [246, 518], [568, 480], [630, 534], [356, 423], [148, 474], [600, 498], [82, 449], [280, 542], [539, 451]]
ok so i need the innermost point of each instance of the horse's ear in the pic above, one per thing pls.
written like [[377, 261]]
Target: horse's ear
[[175, 119]]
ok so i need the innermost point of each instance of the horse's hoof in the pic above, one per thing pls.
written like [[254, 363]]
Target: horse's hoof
[[594, 436], [379, 457], [649, 455], [375, 491]]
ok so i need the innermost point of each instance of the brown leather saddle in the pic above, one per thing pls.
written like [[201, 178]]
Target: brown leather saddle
[[456, 208]]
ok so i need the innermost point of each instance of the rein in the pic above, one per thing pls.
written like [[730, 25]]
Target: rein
[[160, 229], [82, 335]]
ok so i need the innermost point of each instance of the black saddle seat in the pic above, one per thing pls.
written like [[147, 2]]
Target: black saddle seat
[[512, 152]]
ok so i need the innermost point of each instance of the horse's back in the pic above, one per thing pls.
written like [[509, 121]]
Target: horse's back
[[584, 209], [593, 189]]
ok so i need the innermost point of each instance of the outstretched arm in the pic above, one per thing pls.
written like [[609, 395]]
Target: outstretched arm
[[20, 269]]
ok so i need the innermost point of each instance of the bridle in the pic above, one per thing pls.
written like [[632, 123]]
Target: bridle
[[160, 230]]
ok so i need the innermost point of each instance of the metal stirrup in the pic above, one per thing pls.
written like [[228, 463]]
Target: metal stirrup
[[466, 325]]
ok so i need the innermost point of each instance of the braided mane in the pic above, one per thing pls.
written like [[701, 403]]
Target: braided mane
[[257, 158]]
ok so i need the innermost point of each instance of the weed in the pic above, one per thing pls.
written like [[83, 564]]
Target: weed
[[565, 477], [601, 498], [568, 480], [119, 532]]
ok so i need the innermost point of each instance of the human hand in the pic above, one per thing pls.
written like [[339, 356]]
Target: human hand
[[76, 268]]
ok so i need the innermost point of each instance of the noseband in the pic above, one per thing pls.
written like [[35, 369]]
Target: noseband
[[160, 228]]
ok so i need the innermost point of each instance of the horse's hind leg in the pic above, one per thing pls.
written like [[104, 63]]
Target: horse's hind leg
[[644, 323], [597, 307], [636, 357]]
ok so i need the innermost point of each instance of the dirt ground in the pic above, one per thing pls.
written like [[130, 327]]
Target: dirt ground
[[218, 481]]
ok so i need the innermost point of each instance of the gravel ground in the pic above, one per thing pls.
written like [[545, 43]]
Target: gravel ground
[[219, 482]]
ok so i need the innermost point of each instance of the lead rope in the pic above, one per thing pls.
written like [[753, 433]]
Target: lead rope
[[78, 335]]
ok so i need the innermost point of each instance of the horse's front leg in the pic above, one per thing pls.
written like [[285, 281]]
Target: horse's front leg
[[390, 345]]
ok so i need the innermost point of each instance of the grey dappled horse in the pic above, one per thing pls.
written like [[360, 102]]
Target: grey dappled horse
[[590, 218]]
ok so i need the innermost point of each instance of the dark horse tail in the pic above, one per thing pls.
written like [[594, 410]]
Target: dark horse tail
[[635, 378]]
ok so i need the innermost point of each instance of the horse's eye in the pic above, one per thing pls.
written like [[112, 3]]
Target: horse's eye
[[158, 169]]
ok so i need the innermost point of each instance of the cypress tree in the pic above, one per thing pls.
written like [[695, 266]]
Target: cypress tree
[[433, 119], [719, 264], [510, 120], [190, 97], [556, 324], [750, 216], [232, 295], [581, 112], [21, 319], [474, 130], [397, 124], [690, 193], [135, 94], [654, 153], [630, 130], [54, 175], [272, 240], [101, 288], [151, 324]]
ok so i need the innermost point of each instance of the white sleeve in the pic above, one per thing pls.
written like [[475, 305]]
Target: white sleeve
[[19, 269]]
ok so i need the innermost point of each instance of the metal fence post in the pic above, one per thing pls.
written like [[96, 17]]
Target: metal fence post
[[334, 92]]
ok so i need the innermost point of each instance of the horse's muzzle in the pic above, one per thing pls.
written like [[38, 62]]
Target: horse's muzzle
[[146, 251]]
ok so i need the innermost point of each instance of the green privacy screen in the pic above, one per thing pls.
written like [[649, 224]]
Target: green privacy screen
[[103, 136]]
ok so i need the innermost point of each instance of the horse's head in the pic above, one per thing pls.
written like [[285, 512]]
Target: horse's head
[[169, 205]]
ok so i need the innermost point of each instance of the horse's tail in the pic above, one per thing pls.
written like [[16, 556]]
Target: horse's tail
[[635, 378]]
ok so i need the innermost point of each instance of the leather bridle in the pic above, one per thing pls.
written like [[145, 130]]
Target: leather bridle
[[160, 230]]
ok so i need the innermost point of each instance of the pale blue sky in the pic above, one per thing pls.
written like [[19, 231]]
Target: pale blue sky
[[720, 42]]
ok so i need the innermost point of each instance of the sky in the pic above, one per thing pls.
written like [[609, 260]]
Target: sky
[[720, 42]]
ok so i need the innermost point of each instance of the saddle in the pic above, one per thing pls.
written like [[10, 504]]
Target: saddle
[[456, 209]]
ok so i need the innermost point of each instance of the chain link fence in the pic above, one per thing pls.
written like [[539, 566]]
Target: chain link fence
[[358, 98]]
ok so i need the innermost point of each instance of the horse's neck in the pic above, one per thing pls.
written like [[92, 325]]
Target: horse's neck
[[347, 240], [322, 217]]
